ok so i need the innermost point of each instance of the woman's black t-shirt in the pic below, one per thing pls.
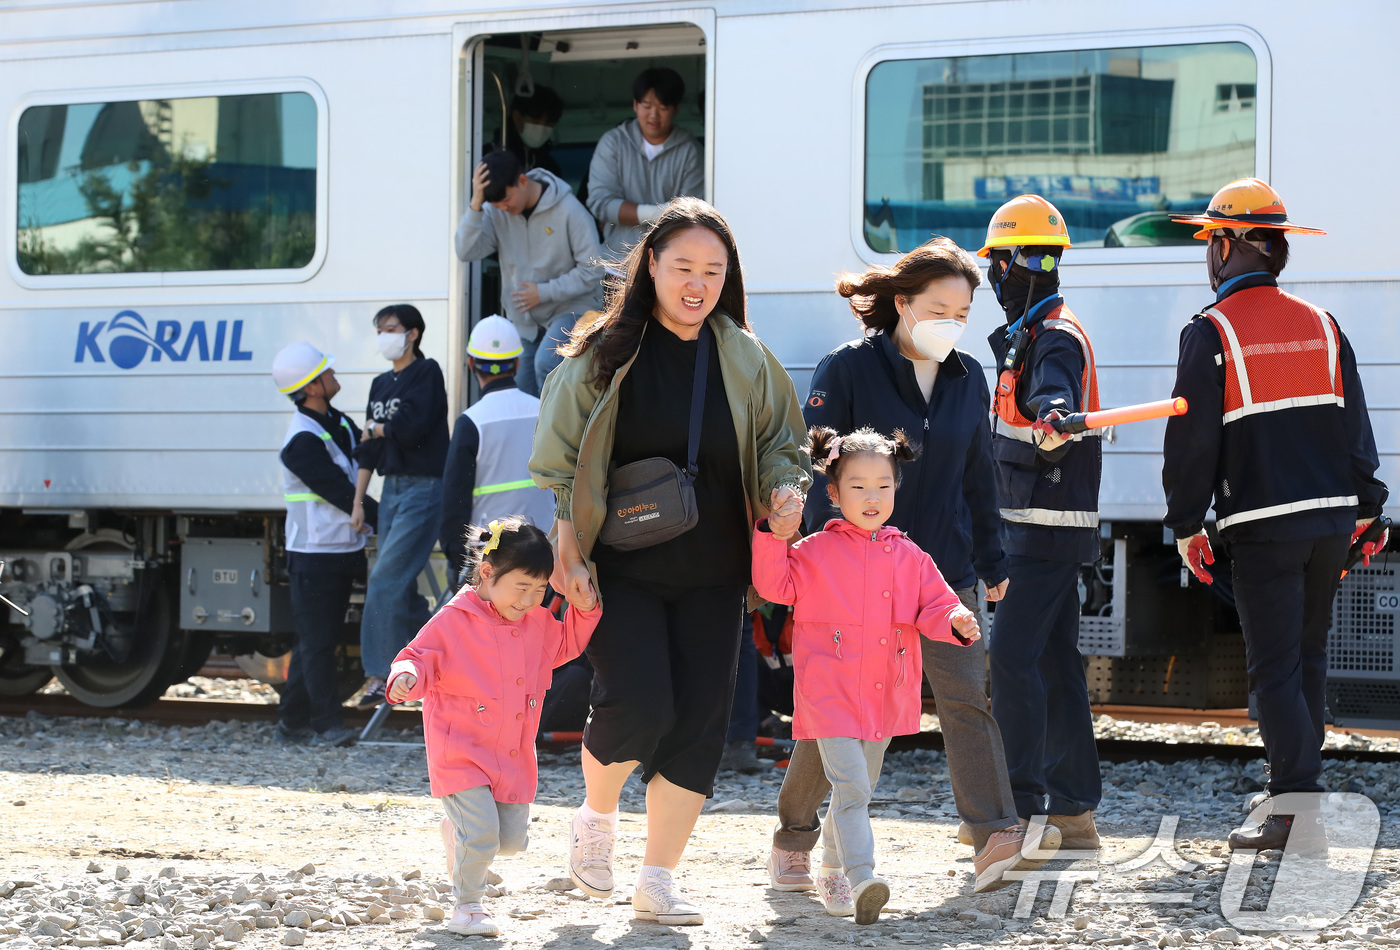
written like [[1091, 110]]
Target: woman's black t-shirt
[[653, 419], [413, 406]]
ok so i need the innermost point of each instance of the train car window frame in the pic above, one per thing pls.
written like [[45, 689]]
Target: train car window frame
[[1164, 254], [9, 218]]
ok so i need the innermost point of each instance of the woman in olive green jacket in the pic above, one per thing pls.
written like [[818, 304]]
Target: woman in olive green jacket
[[665, 653]]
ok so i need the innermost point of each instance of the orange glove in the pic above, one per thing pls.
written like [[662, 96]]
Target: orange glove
[[1371, 547], [1195, 554]]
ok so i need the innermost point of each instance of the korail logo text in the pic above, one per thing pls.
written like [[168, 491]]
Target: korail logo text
[[127, 340]]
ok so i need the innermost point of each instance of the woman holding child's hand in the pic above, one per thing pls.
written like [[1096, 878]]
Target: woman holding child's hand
[[665, 652]]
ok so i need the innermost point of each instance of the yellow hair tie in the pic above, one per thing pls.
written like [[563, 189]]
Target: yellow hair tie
[[495, 541]]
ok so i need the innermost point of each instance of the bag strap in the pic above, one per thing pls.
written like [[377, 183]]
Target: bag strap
[[697, 399]]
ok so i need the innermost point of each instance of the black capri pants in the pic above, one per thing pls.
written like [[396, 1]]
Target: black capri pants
[[664, 660]]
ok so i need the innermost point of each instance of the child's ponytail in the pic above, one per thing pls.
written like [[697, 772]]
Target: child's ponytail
[[830, 449], [508, 544]]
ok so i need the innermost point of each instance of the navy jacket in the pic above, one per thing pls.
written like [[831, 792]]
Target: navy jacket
[[946, 501], [1303, 452], [1066, 479], [413, 407]]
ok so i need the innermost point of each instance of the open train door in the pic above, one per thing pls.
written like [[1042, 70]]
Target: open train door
[[590, 61]]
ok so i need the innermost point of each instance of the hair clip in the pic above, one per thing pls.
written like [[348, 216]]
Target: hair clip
[[495, 541], [835, 449]]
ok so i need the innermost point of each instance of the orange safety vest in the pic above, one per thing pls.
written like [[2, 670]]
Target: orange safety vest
[[1058, 319], [1280, 352]]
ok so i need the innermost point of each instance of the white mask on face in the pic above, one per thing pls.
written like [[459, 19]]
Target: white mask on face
[[392, 345], [533, 134], [935, 338]]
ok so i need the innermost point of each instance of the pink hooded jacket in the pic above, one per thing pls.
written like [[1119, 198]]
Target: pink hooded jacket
[[861, 600], [482, 679]]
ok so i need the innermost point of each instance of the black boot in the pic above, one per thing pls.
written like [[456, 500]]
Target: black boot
[[1305, 830]]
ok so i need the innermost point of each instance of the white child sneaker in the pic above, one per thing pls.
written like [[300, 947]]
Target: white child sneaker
[[591, 855], [473, 920], [658, 899], [835, 892], [870, 896]]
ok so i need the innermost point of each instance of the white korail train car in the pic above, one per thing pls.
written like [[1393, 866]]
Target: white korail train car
[[189, 187]]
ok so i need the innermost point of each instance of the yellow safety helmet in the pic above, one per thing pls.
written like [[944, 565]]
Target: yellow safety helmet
[[1245, 203], [1026, 220]]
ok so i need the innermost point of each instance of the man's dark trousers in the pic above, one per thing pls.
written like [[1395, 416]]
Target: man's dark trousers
[[311, 695]]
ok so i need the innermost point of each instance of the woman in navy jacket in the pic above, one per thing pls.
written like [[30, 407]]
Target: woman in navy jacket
[[904, 374]]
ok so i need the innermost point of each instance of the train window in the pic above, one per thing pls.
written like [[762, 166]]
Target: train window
[[1116, 138], [215, 183]]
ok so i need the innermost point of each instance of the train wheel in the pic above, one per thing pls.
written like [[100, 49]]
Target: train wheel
[[194, 652], [147, 670], [18, 678]]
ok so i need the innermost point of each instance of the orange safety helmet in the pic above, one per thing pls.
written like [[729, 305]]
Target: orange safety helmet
[[1026, 220], [1245, 203]]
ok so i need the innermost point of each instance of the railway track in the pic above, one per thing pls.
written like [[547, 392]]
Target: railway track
[[192, 712]]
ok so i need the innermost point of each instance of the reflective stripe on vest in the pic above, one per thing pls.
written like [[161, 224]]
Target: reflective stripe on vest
[[1279, 352], [1291, 508], [503, 486], [302, 496], [1049, 517], [314, 525]]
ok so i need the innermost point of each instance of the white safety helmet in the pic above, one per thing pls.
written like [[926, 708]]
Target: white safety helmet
[[297, 365], [494, 338]]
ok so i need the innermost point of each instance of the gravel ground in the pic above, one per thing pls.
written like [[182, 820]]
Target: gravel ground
[[124, 833]]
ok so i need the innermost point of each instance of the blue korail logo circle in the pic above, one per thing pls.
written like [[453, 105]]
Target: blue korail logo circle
[[129, 349]]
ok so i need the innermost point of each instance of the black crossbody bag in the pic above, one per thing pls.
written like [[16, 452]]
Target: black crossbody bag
[[653, 500]]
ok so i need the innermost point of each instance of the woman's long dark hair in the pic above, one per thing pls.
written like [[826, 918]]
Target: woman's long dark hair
[[614, 336]]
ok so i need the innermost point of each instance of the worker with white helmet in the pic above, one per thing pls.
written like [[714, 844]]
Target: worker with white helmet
[[1279, 439], [488, 472], [325, 554]]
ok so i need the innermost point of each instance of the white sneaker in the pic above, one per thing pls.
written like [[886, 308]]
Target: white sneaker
[[870, 896], [658, 899], [473, 920], [591, 855], [790, 870], [835, 892]]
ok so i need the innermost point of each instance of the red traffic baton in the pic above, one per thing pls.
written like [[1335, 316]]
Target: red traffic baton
[[1103, 418]]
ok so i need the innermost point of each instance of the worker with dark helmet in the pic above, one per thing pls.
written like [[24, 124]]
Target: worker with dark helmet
[[1278, 435], [1048, 493]]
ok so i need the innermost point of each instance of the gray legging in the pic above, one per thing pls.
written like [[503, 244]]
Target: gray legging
[[482, 828], [976, 760]]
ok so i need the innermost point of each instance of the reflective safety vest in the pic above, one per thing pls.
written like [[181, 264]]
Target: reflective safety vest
[[1032, 490], [314, 525], [1281, 355], [505, 424]]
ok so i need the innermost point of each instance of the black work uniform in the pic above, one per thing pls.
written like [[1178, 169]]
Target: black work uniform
[[320, 582], [1049, 508], [1291, 466], [665, 653]]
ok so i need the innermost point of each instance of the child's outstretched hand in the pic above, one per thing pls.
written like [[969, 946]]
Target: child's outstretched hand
[[784, 512], [965, 623], [402, 684]]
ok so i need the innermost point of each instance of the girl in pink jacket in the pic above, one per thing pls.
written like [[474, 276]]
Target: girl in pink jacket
[[862, 594], [481, 667]]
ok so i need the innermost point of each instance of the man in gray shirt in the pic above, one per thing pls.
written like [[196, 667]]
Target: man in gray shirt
[[549, 256], [644, 162]]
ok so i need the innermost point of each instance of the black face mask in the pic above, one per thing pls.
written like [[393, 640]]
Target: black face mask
[[1020, 288], [1229, 257]]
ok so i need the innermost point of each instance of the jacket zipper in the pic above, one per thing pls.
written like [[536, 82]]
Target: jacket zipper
[[837, 640], [899, 649]]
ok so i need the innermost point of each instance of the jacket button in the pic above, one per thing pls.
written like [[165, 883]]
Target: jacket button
[[520, 681], [519, 716], [580, 537], [883, 641], [512, 798], [887, 593], [879, 736], [888, 549], [515, 633], [514, 753], [879, 685]]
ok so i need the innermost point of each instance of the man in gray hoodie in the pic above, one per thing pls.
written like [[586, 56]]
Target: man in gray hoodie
[[644, 162], [549, 253]]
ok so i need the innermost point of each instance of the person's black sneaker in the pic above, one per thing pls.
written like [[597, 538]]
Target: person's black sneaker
[[340, 736], [282, 734], [373, 695], [740, 757]]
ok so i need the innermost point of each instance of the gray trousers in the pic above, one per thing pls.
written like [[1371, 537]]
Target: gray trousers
[[976, 760], [852, 766], [484, 828]]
